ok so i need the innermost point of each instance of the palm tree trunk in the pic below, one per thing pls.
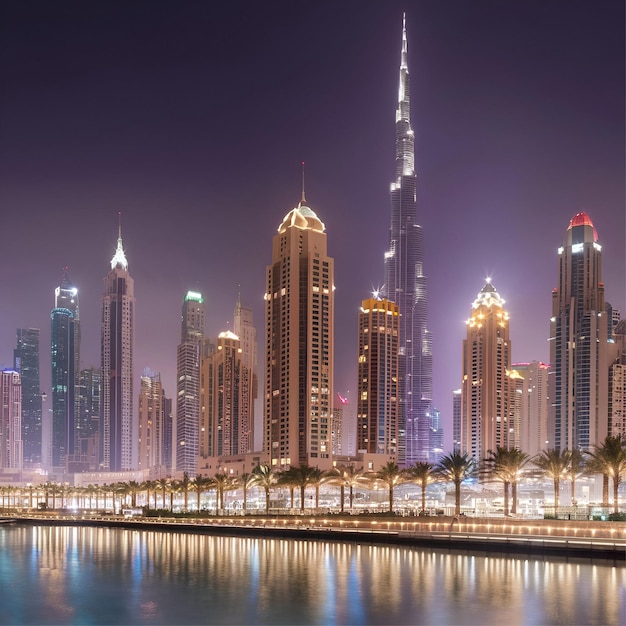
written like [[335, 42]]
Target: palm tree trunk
[[556, 495], [267, 500], [506, 497], [514, 497], [605, 490], [457, 497], [390, 498], [302, 498], [342, 493], [423, 497], [616, 482], [351, 497]]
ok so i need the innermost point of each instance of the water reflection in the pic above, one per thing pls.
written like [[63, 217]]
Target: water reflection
[[113, 576]]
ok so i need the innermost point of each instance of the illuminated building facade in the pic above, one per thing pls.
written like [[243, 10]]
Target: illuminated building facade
[[299, 303], [226, 425], [151, 422], [337, 425], [26, 362], [456, 420], [11, 420], [617, 382], [244, 329], [406, 285], [485, 399], [64, 337], [188, 383], [532, 410], [377, 403], [118, 425], [578, 342]]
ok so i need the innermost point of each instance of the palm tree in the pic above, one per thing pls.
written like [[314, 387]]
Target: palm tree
[[391, 476], [265, 478], [346, 476], [200, 484], [553, 464], [246, 480], [301, 477], [421, 474], [506, 465], [576, 468], [609, 459], [456, 467], [222, 483], [184, 488], [163, 484]]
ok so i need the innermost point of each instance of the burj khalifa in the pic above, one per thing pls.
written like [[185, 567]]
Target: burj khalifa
[[406, 285]]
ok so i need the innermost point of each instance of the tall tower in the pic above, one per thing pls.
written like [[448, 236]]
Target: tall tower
[[26, 362], [485, 409], [226, 420], [578, 342], [534, 401], [377, 403], [188, 383], [299, 313], [151, 422], [118, 430], [245, 330], [406, 285], [64, 337], [10, 420]]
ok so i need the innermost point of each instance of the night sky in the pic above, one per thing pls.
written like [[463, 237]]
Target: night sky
[[192, 118]]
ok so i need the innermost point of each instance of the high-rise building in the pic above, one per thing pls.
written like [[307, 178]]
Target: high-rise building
[[378, 364], [152, 426], [406, 285], [89, 402], [299, 305], [337, 425], [533, 406], [485, 400], [26, 362], [436, 435], [118, 425], [11, 420], [578, 342], [226, 425], [245, 330], [188, 383], [64, 337], [456, 420], [617, 382]]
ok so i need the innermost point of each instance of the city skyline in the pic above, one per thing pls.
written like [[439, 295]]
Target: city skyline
[[193, 122]]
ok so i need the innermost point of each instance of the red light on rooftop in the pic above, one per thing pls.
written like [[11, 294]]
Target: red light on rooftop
[[582, 219]]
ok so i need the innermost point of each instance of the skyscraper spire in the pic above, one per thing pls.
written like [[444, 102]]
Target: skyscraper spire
[[119, 258], [405, 284], [303, 201]]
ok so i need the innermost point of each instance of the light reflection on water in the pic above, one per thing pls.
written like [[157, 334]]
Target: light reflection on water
[[63, 575]]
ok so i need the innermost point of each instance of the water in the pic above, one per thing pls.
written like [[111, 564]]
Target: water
[[64, 575]]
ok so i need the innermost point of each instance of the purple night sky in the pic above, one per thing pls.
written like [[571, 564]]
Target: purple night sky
[[192, 118]]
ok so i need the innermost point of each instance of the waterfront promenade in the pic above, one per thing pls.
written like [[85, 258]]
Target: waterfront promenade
[[580, 539]]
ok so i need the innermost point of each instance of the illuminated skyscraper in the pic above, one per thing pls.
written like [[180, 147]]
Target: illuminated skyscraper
[[10, 420], [226, 425], [151, 423], [578, 342], [188, 383], [617, 382], [406, 285], [118, 430], [26, 362], [299, 305], [534, 407], [64, 337], [485, 407], [245, 330], [377, 403]]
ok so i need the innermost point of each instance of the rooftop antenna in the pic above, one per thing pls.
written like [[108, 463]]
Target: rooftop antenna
[[303, 198], [119, 224]]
